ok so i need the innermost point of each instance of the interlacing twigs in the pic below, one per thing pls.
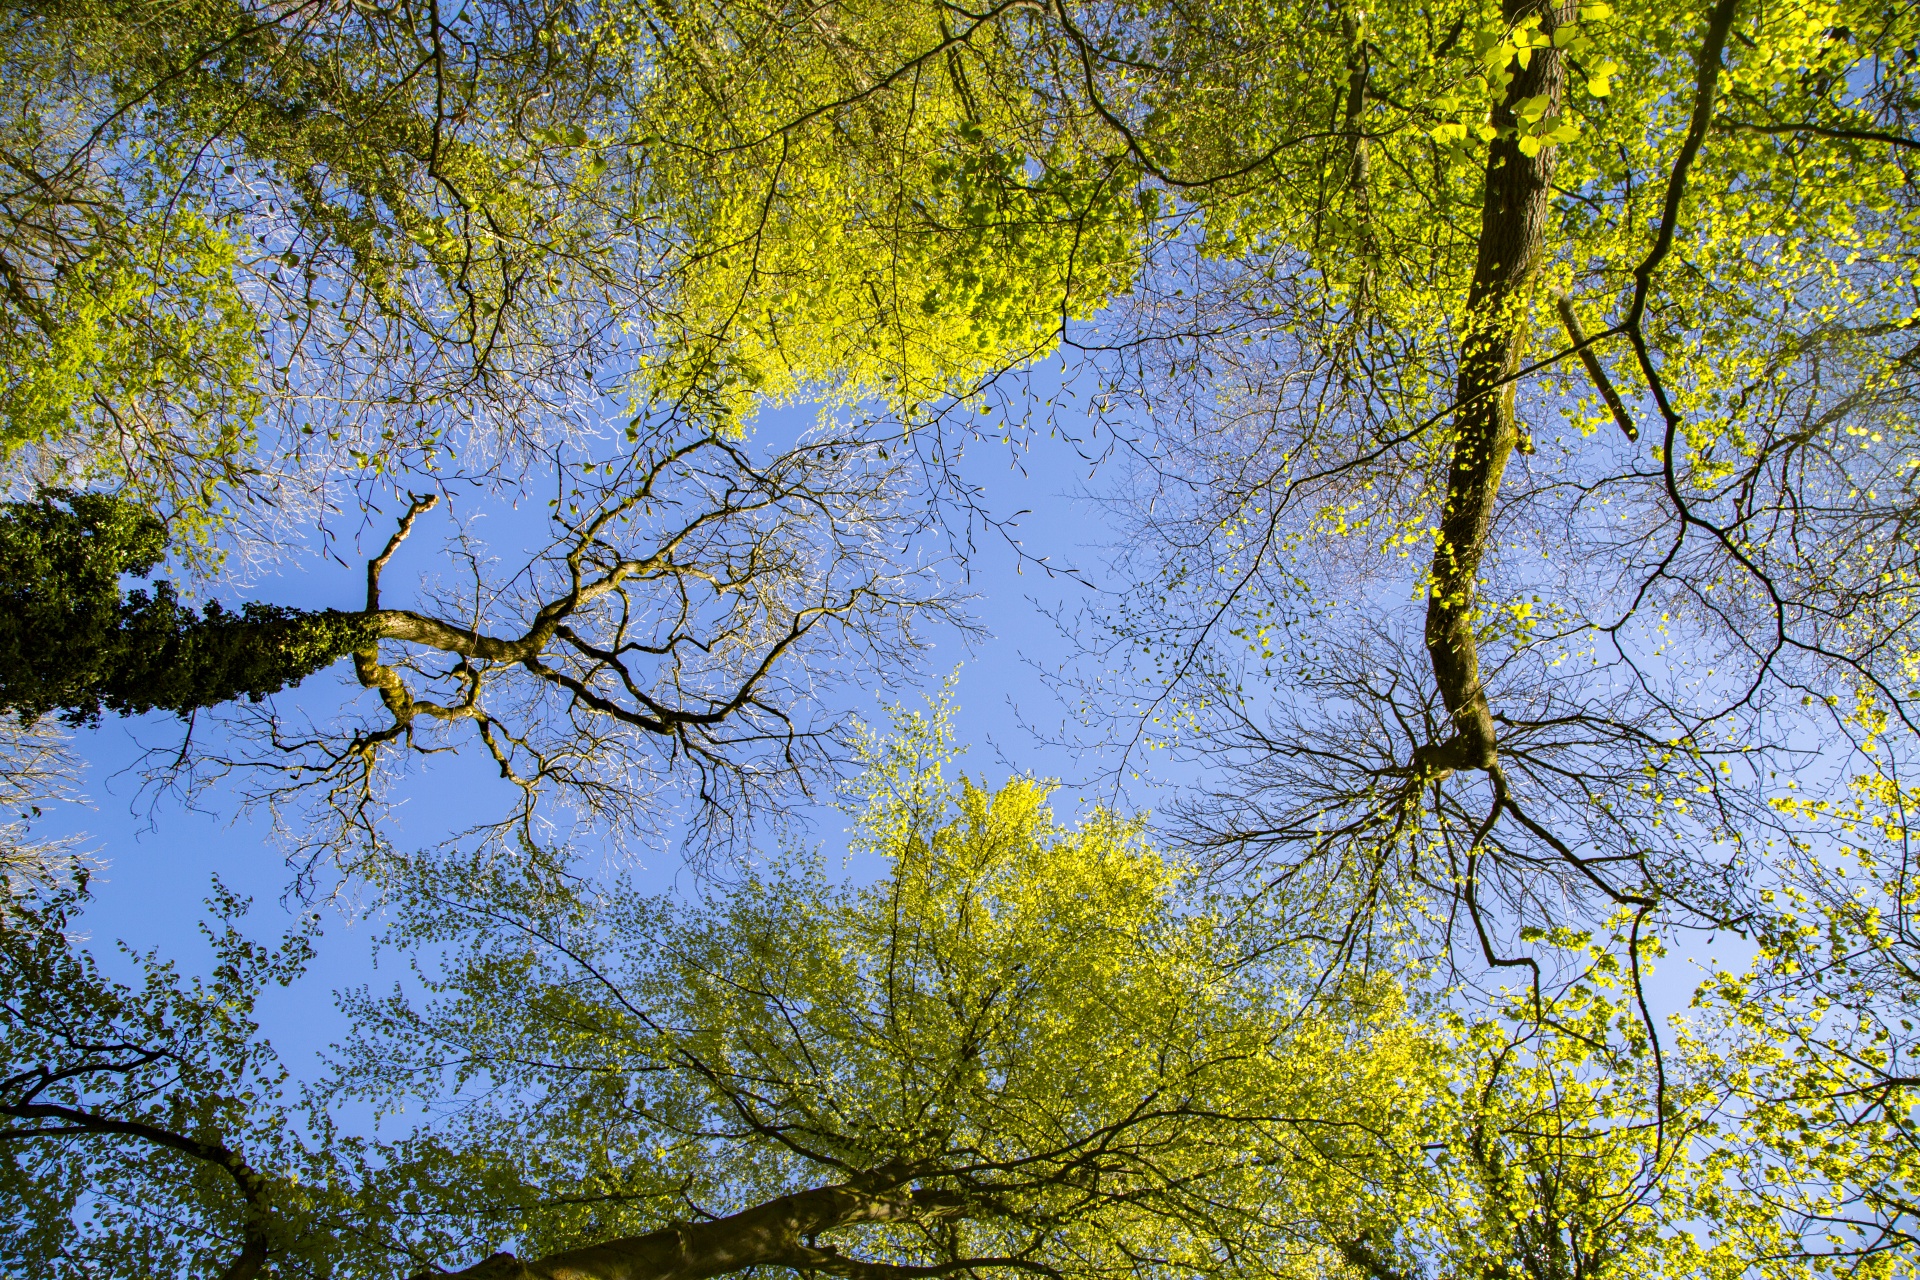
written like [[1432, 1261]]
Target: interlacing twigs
[[697, 602]]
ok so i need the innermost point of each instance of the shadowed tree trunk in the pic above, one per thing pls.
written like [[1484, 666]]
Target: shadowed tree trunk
[[777, 1233], [1510, 254]]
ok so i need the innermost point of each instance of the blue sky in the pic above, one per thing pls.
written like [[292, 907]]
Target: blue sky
[[157, 857], [157, 860]]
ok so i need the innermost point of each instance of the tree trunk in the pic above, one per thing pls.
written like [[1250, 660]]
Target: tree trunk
[[1495, 338]]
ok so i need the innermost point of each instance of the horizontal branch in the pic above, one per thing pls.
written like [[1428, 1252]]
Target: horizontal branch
[[776, 1233]]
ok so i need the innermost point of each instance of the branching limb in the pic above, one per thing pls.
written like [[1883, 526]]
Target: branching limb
[[686, 624], [778, 1233]]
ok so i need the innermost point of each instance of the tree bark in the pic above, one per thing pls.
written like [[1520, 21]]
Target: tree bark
[[777, 1233], [1511, 251]]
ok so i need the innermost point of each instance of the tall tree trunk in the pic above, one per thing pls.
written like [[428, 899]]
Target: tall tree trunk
[[1510, 255]]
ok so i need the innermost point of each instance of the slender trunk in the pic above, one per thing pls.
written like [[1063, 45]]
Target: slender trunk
[[1510, 256]]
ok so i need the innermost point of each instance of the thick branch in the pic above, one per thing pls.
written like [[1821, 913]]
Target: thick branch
[[777, 1233]]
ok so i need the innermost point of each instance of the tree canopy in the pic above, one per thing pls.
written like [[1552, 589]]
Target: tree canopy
[[1509, 410], [253, 245], [1023, 1048], [1618, 642]]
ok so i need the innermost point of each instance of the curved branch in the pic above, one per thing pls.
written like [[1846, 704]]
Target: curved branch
[[256, 1242], [776, 1233]]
